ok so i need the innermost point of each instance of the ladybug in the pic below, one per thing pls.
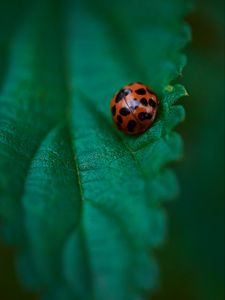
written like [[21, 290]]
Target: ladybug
[[134, 108]]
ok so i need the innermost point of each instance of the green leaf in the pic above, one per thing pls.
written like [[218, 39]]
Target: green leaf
[[80, 200]]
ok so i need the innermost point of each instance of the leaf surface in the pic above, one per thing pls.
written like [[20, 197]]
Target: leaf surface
[[80, 200]]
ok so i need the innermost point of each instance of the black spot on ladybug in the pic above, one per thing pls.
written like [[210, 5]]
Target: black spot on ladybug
[[119, 126], [122, 93], [113, 110], [144, 116], [124, 111], [119, 119], [131, 125], [152, 103], [140, 91], [144, 101]]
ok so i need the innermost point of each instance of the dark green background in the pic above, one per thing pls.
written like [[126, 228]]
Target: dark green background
[[192, 260]]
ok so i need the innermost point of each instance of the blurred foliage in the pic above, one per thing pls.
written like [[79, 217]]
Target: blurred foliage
[[81, 203]]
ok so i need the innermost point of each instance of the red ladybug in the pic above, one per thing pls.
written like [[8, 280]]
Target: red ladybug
[[134, 108]]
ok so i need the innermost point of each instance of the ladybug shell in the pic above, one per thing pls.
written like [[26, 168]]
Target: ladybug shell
[[134, 108]]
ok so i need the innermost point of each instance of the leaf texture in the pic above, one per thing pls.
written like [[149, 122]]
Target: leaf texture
[[80, 200]]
